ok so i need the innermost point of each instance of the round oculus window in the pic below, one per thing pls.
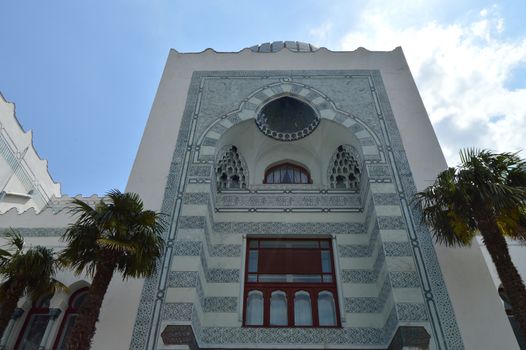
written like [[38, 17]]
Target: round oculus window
[[287, 119]]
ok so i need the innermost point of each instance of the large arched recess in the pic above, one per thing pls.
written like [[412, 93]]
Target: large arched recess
[[314, 151]]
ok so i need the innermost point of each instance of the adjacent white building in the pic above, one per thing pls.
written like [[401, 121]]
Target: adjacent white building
[[286, 173]]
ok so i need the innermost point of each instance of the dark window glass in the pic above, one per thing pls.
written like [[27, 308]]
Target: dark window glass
[[287, 173]]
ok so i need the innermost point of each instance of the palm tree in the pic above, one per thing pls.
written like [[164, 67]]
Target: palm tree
[[117, 234], [485, 194], [28, 272]]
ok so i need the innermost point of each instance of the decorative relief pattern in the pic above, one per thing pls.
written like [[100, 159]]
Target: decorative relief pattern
[[397, 249], [220, 304], [189, 248], [182, 279], [199, 171], [177, 311], [196, 198], [411, 312], [404, 279], [365, 275], [386, 198], [227, 250], [369, 304], [375, 121], [37, 231], [344, 170], [315, 200], [289, 228], [231, 170]]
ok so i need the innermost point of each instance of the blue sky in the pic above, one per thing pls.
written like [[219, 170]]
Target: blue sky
[[83, 75]]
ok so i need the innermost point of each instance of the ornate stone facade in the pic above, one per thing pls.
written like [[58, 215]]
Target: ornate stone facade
[[381, 207]]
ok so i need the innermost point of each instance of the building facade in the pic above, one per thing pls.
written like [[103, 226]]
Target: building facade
[[286, 174]]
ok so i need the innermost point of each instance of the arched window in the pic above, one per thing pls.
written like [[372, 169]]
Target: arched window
[[326, 309], [254, 314], [302, 309], [278, 309], [287, 173], [75, 301], [35, 325], [287, 119]]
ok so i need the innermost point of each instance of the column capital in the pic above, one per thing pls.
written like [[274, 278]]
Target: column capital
[[54, 313]]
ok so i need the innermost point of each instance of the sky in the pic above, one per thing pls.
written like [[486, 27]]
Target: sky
[[83, 74]]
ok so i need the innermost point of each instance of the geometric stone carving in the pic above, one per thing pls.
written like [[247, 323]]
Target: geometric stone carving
[[231, 170], [344, 171], [410, 337]]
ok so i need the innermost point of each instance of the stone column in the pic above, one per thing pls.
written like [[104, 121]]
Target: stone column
[[53, 315]]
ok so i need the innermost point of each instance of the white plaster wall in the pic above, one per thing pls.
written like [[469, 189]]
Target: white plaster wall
[[518, 255], [474, 299], [479, 314]]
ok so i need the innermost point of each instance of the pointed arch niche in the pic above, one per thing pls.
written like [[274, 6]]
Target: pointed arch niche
[[313, 152]]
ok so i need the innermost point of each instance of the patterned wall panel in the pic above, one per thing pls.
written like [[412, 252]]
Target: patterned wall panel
[[210, 109]]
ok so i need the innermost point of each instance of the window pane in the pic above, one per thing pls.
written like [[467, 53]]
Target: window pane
[[289, 244], [34, 332], [253, 244], [270, 178], [324, 244], [287, 174], [326, 309], [278, 309], [306, 278], [254, 315], [326, 261], [272, 278], [302, 309], [327, 278], [253, 261]]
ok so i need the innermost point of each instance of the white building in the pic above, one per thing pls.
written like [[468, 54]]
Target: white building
[[286, 172]]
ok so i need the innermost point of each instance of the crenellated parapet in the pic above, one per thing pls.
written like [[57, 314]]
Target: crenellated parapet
[[25, 181], [56, 214]]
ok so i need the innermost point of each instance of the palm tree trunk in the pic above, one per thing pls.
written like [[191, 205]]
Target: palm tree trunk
[[83, 329], [508, 274], [9, 305]]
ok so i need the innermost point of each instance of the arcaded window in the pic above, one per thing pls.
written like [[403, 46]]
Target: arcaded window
[[75, 301], [231, 170], [344, 170], [34, 325], [290, 283], [287, 173]]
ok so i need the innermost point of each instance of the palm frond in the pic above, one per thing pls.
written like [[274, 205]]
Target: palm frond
[[485, 183]]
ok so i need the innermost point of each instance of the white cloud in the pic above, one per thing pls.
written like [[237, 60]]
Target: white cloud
[[461, 70]]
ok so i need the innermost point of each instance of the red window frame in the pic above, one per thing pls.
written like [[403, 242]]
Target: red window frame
[[290, 288], [36, 309], [295, 168], [70, 310]]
